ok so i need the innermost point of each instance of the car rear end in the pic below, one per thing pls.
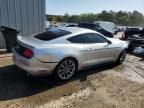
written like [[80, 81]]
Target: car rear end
[[25, 57], [35, 55]]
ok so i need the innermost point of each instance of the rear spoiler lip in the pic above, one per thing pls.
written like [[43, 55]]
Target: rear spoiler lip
[[23, 44]]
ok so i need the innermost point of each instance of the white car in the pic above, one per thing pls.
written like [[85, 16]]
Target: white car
[[64, 51]]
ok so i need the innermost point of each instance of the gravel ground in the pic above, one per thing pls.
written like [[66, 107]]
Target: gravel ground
[[105, 86]]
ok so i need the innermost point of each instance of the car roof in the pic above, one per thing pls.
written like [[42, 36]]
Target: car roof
[[76, 29]]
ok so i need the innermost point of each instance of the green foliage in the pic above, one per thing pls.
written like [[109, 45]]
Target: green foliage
[[134, 18], [122, 18]]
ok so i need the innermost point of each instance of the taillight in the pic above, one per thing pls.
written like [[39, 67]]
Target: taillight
[[28, 53]]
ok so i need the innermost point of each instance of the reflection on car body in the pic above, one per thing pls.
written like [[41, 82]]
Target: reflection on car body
[[66, 50]]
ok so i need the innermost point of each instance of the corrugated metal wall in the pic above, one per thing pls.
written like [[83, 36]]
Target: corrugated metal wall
[[26, 15], [2, 41]]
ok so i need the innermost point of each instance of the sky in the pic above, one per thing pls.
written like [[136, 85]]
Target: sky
[[60, 7]]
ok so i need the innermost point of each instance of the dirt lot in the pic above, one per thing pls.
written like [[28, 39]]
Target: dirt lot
[[106, 86]]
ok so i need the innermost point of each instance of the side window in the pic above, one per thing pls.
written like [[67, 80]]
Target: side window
[[88, 38], [76, 39], [94, 38]]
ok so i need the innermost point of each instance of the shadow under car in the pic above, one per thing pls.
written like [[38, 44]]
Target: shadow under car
[[15, 83]]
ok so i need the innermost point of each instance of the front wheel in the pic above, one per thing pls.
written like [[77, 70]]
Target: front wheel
[[66, 69], [122, 57]]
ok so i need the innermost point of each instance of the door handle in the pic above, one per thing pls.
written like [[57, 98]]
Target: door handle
[[90, 49]]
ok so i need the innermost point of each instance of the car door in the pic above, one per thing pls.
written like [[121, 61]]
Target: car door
[[97, 49], [78, 40]]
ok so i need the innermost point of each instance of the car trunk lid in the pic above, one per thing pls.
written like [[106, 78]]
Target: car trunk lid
[[29, 42]]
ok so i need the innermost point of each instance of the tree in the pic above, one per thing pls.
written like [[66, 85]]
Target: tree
[[60, 19], [134, 18], [66, 17], [122, 18], [106, 16], [73, 19]]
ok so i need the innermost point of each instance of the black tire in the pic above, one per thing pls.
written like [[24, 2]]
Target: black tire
[[66, 69], [121, 57], [131, 47]]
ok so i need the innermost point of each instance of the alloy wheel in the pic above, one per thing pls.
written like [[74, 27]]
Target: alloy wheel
[[66, 69]]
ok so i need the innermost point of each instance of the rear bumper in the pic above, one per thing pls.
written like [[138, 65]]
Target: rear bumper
[[33, 66]]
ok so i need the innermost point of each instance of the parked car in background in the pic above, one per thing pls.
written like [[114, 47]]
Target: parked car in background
[[109, 26], [64, 51], [128, 32], [97, 28], [72, 25], [135, 36]]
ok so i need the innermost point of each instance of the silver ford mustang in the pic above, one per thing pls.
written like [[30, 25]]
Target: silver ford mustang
[[64, 51]]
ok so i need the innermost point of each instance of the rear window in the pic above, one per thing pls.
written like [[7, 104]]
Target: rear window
[[52, 34]]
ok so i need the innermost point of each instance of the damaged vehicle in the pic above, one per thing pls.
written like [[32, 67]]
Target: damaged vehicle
[[97, 28], [108, 26], [64, 51], [135, 36]]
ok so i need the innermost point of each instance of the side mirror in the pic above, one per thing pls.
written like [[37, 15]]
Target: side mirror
[[109, 42]]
